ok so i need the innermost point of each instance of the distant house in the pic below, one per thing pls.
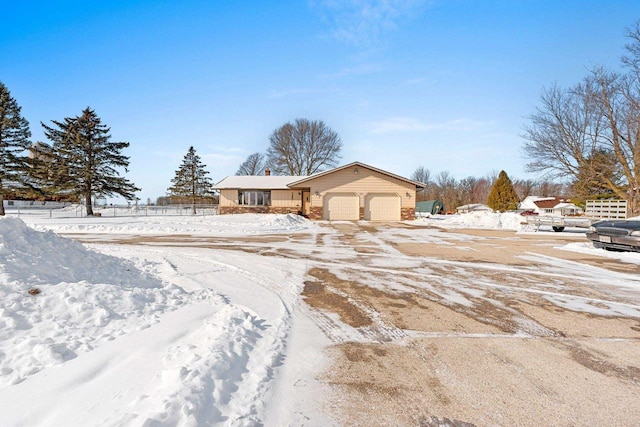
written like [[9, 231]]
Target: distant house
[[550, 206], [351, 192], [473, 207], [567, 209]]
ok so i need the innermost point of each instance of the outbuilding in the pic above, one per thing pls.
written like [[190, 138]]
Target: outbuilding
[[430, 207]]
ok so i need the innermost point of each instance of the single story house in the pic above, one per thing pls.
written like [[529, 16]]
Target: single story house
[[550, 206], [351, 192]]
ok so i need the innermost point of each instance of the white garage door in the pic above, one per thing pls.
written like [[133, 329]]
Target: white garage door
[[345, 207], [382, 207]]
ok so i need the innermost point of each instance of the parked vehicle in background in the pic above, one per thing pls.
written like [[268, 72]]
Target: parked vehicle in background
[[558, 223], [616, 235]]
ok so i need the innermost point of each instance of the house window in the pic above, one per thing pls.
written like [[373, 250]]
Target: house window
[[254, 198]]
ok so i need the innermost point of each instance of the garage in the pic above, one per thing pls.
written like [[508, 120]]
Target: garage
[[341, 207], [382, 207]]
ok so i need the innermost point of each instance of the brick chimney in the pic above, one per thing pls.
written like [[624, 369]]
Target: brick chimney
[[267, 172]]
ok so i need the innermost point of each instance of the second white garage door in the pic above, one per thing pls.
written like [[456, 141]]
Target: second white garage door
[[382, 207], [341, 206]]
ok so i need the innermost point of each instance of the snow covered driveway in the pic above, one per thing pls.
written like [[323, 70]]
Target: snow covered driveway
[[269, 320]]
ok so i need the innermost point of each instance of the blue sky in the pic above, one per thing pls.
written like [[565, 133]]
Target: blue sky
[[445, 84]]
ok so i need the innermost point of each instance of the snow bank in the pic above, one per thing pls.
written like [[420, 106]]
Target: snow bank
[[105, 342], [587, 248], [85, 298], [227, 225], [34, 258], [486, 220]]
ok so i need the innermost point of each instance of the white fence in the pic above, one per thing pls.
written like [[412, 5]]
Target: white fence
[[606, 209], [72, 211]]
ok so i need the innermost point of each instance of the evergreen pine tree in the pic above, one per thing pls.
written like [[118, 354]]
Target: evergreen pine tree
[[503, 196], [14, 142], [191, 180], [84, 160]]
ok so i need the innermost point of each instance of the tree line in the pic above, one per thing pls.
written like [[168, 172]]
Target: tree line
[[458, 192]]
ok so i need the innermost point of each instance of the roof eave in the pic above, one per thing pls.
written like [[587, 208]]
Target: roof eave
[[352, 164]]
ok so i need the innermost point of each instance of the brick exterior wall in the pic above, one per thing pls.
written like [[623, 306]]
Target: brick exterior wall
[[315, 213], [225, 210], [407, 214]]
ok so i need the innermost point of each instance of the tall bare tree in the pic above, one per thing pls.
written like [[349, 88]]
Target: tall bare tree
[[619, 99], [254, 165], [447, 188], [564, 131], [423, 175], [473, 190], [303, 147]]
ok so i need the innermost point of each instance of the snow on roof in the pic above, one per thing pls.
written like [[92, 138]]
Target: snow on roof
[[262, 182]]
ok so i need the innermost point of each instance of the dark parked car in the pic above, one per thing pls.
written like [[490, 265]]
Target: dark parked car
[[616, 235]]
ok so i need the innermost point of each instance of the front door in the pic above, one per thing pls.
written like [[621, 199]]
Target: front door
[[306, 204]]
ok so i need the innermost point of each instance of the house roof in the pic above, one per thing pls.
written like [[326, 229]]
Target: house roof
[[351, 165], [261, 182], [547, 203]]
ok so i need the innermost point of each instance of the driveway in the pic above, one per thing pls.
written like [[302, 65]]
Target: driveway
[[473, 327], [464, 328]]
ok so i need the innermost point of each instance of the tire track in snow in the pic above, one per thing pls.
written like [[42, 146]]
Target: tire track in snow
[[245, 399]]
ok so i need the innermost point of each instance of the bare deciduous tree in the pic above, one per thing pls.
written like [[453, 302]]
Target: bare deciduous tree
[[564, 131], [303, 147], [447, 189], [473, 190], [254, 165], [423, 175]]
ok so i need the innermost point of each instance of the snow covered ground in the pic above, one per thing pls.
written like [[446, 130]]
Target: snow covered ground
[[516, 222], [164, 336], [127, 335]]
